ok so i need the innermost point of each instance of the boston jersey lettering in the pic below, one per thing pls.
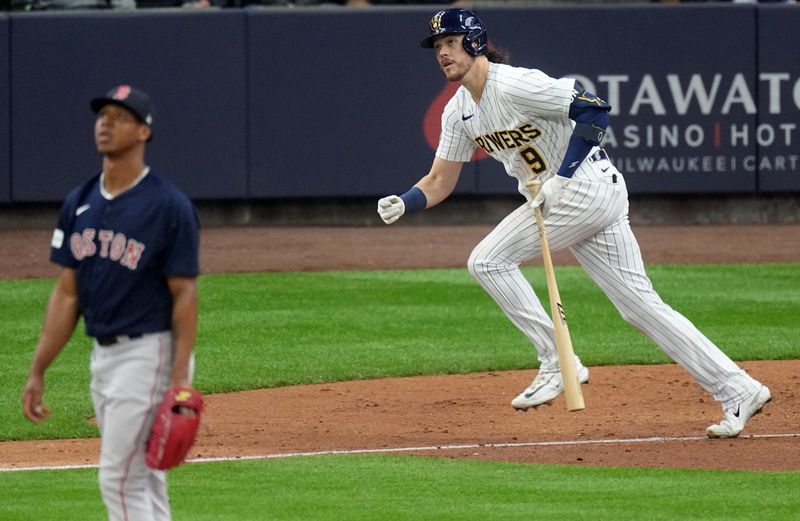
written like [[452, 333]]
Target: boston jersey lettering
[[113, 246]]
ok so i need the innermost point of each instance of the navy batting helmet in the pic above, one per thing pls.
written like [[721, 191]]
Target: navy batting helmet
[[459, 21]]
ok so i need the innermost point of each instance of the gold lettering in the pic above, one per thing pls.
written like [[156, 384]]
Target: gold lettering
[[496, 141], [530, 132], [506, 140], [517, 137], [481, 143]]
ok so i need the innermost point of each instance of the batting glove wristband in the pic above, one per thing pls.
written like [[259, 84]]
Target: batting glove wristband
[[393, 207]]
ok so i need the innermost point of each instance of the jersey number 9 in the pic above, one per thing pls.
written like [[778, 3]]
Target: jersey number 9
[[531, 156]]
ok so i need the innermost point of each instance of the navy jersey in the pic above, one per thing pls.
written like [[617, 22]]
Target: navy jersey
[[123, 249]]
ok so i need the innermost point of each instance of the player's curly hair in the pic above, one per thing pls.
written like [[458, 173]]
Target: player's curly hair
[[495, 55]]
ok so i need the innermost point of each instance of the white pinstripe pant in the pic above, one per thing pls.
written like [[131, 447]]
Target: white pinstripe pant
[[591, 220]]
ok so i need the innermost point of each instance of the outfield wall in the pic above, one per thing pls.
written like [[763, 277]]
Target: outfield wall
[[274, 104]]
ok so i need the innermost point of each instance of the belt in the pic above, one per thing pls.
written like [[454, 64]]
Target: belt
[[599, 156], [110, 340]]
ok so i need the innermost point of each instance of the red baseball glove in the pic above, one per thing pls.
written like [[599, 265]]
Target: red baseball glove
[[175, 428]]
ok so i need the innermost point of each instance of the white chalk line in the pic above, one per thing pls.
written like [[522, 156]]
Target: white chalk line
[[429, 448]]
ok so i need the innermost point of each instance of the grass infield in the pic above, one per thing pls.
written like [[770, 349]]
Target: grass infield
[[267, 330]]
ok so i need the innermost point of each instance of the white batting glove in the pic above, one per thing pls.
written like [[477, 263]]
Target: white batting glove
[[550, 193], [391, 208]]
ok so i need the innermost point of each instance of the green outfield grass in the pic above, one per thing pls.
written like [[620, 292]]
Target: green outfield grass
[[263, 330], [267, 330], [364, 488]]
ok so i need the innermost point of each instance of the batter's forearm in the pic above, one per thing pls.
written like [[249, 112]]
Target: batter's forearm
[[437, 187], [440, 181]]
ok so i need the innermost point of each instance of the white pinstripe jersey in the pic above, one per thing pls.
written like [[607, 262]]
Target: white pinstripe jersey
[[522, 120]]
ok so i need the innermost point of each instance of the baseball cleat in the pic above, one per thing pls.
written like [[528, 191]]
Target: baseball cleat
[[546, 387], [736, 418]]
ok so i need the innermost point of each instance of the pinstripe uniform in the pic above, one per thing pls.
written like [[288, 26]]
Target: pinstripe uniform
[[522, 121]]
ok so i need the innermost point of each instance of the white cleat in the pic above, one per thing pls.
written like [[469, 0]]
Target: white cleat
[[546, 387], [736, 418]]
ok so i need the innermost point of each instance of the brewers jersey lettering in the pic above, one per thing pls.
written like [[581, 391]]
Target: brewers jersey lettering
[[521, 121]]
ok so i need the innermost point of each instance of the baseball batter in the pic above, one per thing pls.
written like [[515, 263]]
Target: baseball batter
[[550, 129], [127, 241]]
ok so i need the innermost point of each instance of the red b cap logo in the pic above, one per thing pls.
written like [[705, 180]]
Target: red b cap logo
[[122, 92]]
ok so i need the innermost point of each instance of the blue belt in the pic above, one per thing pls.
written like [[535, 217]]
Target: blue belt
[[599, 156]]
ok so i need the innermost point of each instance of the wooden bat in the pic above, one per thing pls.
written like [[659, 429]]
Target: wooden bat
[[566, 355]]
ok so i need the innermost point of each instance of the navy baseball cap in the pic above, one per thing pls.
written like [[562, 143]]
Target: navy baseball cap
[[129, 97]]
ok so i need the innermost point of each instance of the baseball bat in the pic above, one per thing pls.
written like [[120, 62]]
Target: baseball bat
[[566, 355]]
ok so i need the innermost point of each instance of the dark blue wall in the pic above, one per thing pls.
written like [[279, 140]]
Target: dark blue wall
[[779, 110], [192, 64], [5, 115], [333, 102], [336, 103]]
